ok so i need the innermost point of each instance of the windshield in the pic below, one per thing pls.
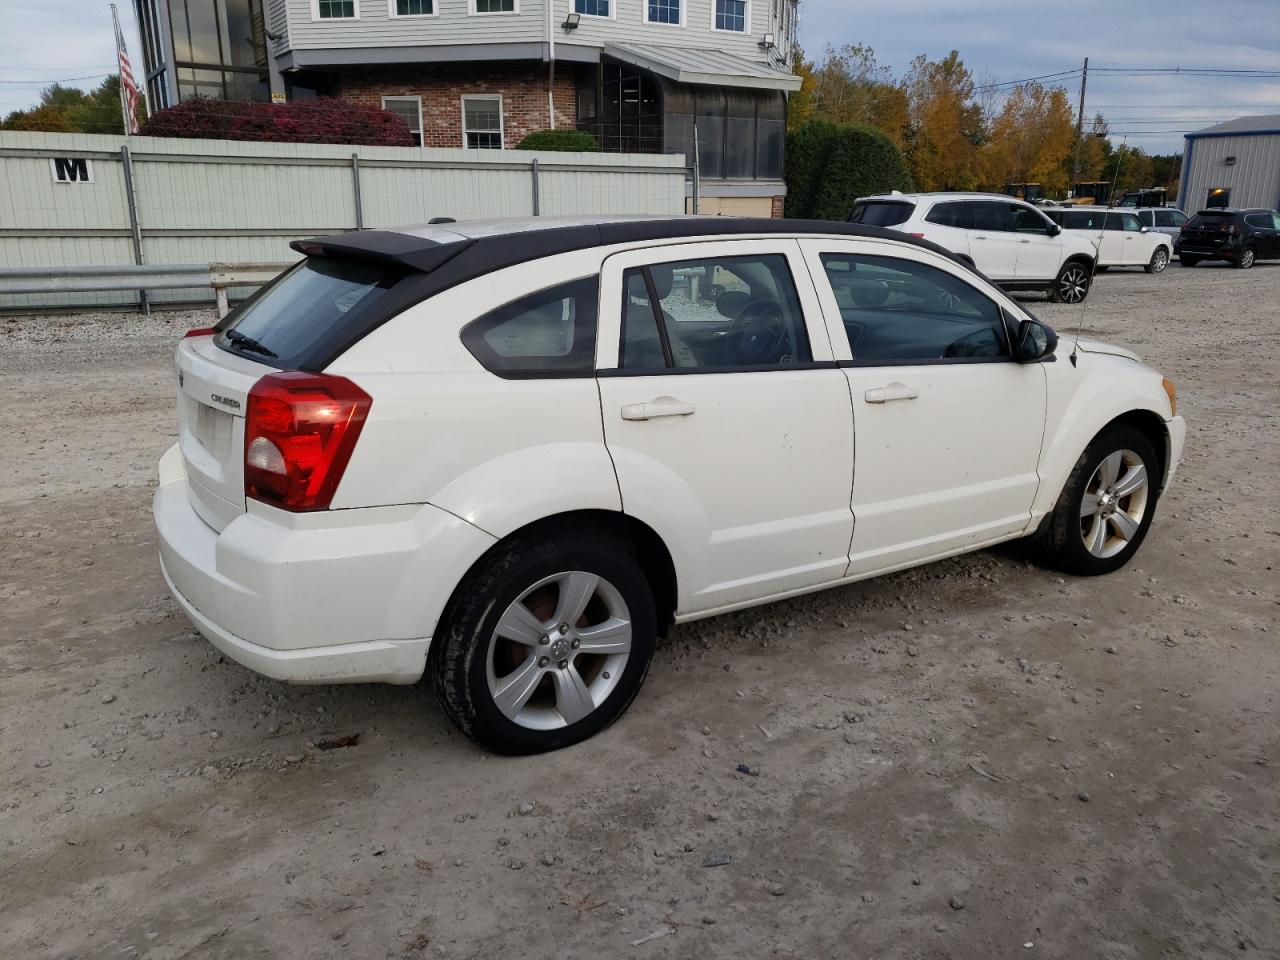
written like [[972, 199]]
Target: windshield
[[312, 303], [881, 213]]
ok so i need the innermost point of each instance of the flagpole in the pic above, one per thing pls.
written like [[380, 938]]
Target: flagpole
[[130, 120]]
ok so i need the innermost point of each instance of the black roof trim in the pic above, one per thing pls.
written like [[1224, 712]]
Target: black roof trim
[[436, 267]]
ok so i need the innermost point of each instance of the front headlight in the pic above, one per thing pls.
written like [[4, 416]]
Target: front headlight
[[1172, 391]]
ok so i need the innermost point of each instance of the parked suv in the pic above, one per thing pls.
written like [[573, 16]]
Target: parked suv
[[1119, 235], [1238, 236], [1011, 242], [1166, 220], [509, 454]]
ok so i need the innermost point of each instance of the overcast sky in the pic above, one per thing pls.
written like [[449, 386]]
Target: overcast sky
[[998, 39]]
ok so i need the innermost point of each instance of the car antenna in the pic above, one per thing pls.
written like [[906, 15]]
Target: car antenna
[[1093, 270]]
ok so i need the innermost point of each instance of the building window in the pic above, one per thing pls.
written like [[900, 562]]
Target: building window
[[663, 11], [592, 8], [482, 122], [1218, 197], [336, 10], [413, 8], [494, 6], [408, 109], [731, 15]]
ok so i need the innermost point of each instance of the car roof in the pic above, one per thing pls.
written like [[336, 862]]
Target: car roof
[[463, 250], [946, 195]]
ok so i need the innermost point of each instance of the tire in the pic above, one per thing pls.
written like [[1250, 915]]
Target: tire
[[1187, 261], [1071, 285], [1244, 259], [1159, 260], [569, 693], [1069, 539]]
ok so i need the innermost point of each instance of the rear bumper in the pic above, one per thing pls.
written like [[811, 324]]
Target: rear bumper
[[329, 597]]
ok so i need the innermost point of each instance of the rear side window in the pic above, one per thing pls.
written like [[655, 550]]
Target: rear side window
[[881, 213], [951, 214], [897, 311], [548, 333], [310, 307]]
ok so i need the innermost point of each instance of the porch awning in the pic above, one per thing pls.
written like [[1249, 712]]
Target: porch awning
[[707, 67]]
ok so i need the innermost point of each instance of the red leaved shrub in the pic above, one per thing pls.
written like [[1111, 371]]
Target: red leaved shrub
[[324, 120]]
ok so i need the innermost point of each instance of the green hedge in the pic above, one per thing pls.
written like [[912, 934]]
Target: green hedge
[[829, 166], [570, 141]]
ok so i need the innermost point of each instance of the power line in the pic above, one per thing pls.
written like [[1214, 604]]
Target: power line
[[20, 83], [1014, 83]]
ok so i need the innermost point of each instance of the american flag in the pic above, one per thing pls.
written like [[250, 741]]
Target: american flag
[[128, 88]]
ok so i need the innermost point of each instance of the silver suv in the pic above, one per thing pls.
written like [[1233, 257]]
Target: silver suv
[[1010, 241], [1165, 220]]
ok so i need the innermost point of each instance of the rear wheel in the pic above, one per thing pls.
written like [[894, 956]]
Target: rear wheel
[[1187, 261], [546, 644], [1159, 260], [1072, 283], [1244, 259], [1105, 509]]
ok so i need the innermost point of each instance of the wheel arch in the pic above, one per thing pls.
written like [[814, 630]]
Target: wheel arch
[[650, 550]]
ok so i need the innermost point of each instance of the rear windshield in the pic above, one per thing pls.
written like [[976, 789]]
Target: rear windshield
[[1207, 219], [312, 307], [881, 213]]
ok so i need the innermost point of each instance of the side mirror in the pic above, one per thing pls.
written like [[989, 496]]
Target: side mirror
[[1054, 229], [1144, 229], [1035, 341]]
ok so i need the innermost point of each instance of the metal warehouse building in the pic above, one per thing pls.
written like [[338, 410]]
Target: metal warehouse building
[[1234, 164]]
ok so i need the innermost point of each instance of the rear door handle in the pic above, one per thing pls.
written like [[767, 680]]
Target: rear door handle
[[894, 391], [658, 407], [1024, 241]]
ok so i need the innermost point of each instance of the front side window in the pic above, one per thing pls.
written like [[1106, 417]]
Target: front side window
[[663, 11], [408, 109], [482, 123], [717, 313], [1028, 221], [731, 15], [591, 8], [414, 8], [553, 330], [897, 311], [495, 6], [336, 9]]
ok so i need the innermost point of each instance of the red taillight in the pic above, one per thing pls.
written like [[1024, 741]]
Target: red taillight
[[300, 430], [199, 332]]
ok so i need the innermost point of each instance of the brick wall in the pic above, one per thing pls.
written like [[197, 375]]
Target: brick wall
[[523, 88]]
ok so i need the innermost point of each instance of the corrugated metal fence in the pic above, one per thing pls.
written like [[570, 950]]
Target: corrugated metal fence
[[90, 200]]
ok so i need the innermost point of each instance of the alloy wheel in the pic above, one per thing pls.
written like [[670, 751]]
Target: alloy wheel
[[1246, 258], [1073, 284], [559, 650], [1114, 503], [1160, 260]]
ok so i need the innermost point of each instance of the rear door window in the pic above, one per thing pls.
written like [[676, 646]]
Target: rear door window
[[546, 333], [313, 306], [997, 217], [951, 214], [881, 213]]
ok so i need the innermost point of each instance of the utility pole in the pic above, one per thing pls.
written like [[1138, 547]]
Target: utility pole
[[1075, 166]]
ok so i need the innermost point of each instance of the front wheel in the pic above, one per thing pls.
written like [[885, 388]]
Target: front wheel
[[1244, 260], [1072, 283], [1105, 509], [546, 644], [1159, 260]]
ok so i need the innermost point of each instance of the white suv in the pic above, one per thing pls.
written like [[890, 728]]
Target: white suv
[[510, 454], [1010, 241]]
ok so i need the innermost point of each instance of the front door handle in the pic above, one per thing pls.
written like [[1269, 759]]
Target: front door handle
[[658, 407], [1024, 241], [894, 391]]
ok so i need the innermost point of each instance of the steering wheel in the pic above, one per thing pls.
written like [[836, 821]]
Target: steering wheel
[[758, 335]]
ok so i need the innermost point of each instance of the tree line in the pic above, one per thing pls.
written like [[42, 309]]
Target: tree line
[[956, 134]]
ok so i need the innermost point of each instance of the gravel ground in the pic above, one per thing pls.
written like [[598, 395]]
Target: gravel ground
[[975, 759]]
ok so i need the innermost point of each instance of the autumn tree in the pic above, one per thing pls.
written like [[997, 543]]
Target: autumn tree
[[850, 87], [800, 105], [945, 124], [69, 110], [1029, 140]]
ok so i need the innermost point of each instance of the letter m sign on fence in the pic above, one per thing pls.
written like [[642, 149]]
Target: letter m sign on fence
[[71, 169]]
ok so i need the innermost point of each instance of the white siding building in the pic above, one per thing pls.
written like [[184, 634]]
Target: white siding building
[[640, 75], [1234, 164]]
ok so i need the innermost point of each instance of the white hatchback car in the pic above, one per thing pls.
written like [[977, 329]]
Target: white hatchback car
[[1120, 237], [511, 453], [1010, 241]]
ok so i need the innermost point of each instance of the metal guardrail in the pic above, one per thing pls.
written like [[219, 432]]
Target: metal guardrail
[[219, 276]]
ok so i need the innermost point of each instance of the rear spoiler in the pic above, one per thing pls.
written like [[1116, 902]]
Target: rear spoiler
[[384, 246]]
